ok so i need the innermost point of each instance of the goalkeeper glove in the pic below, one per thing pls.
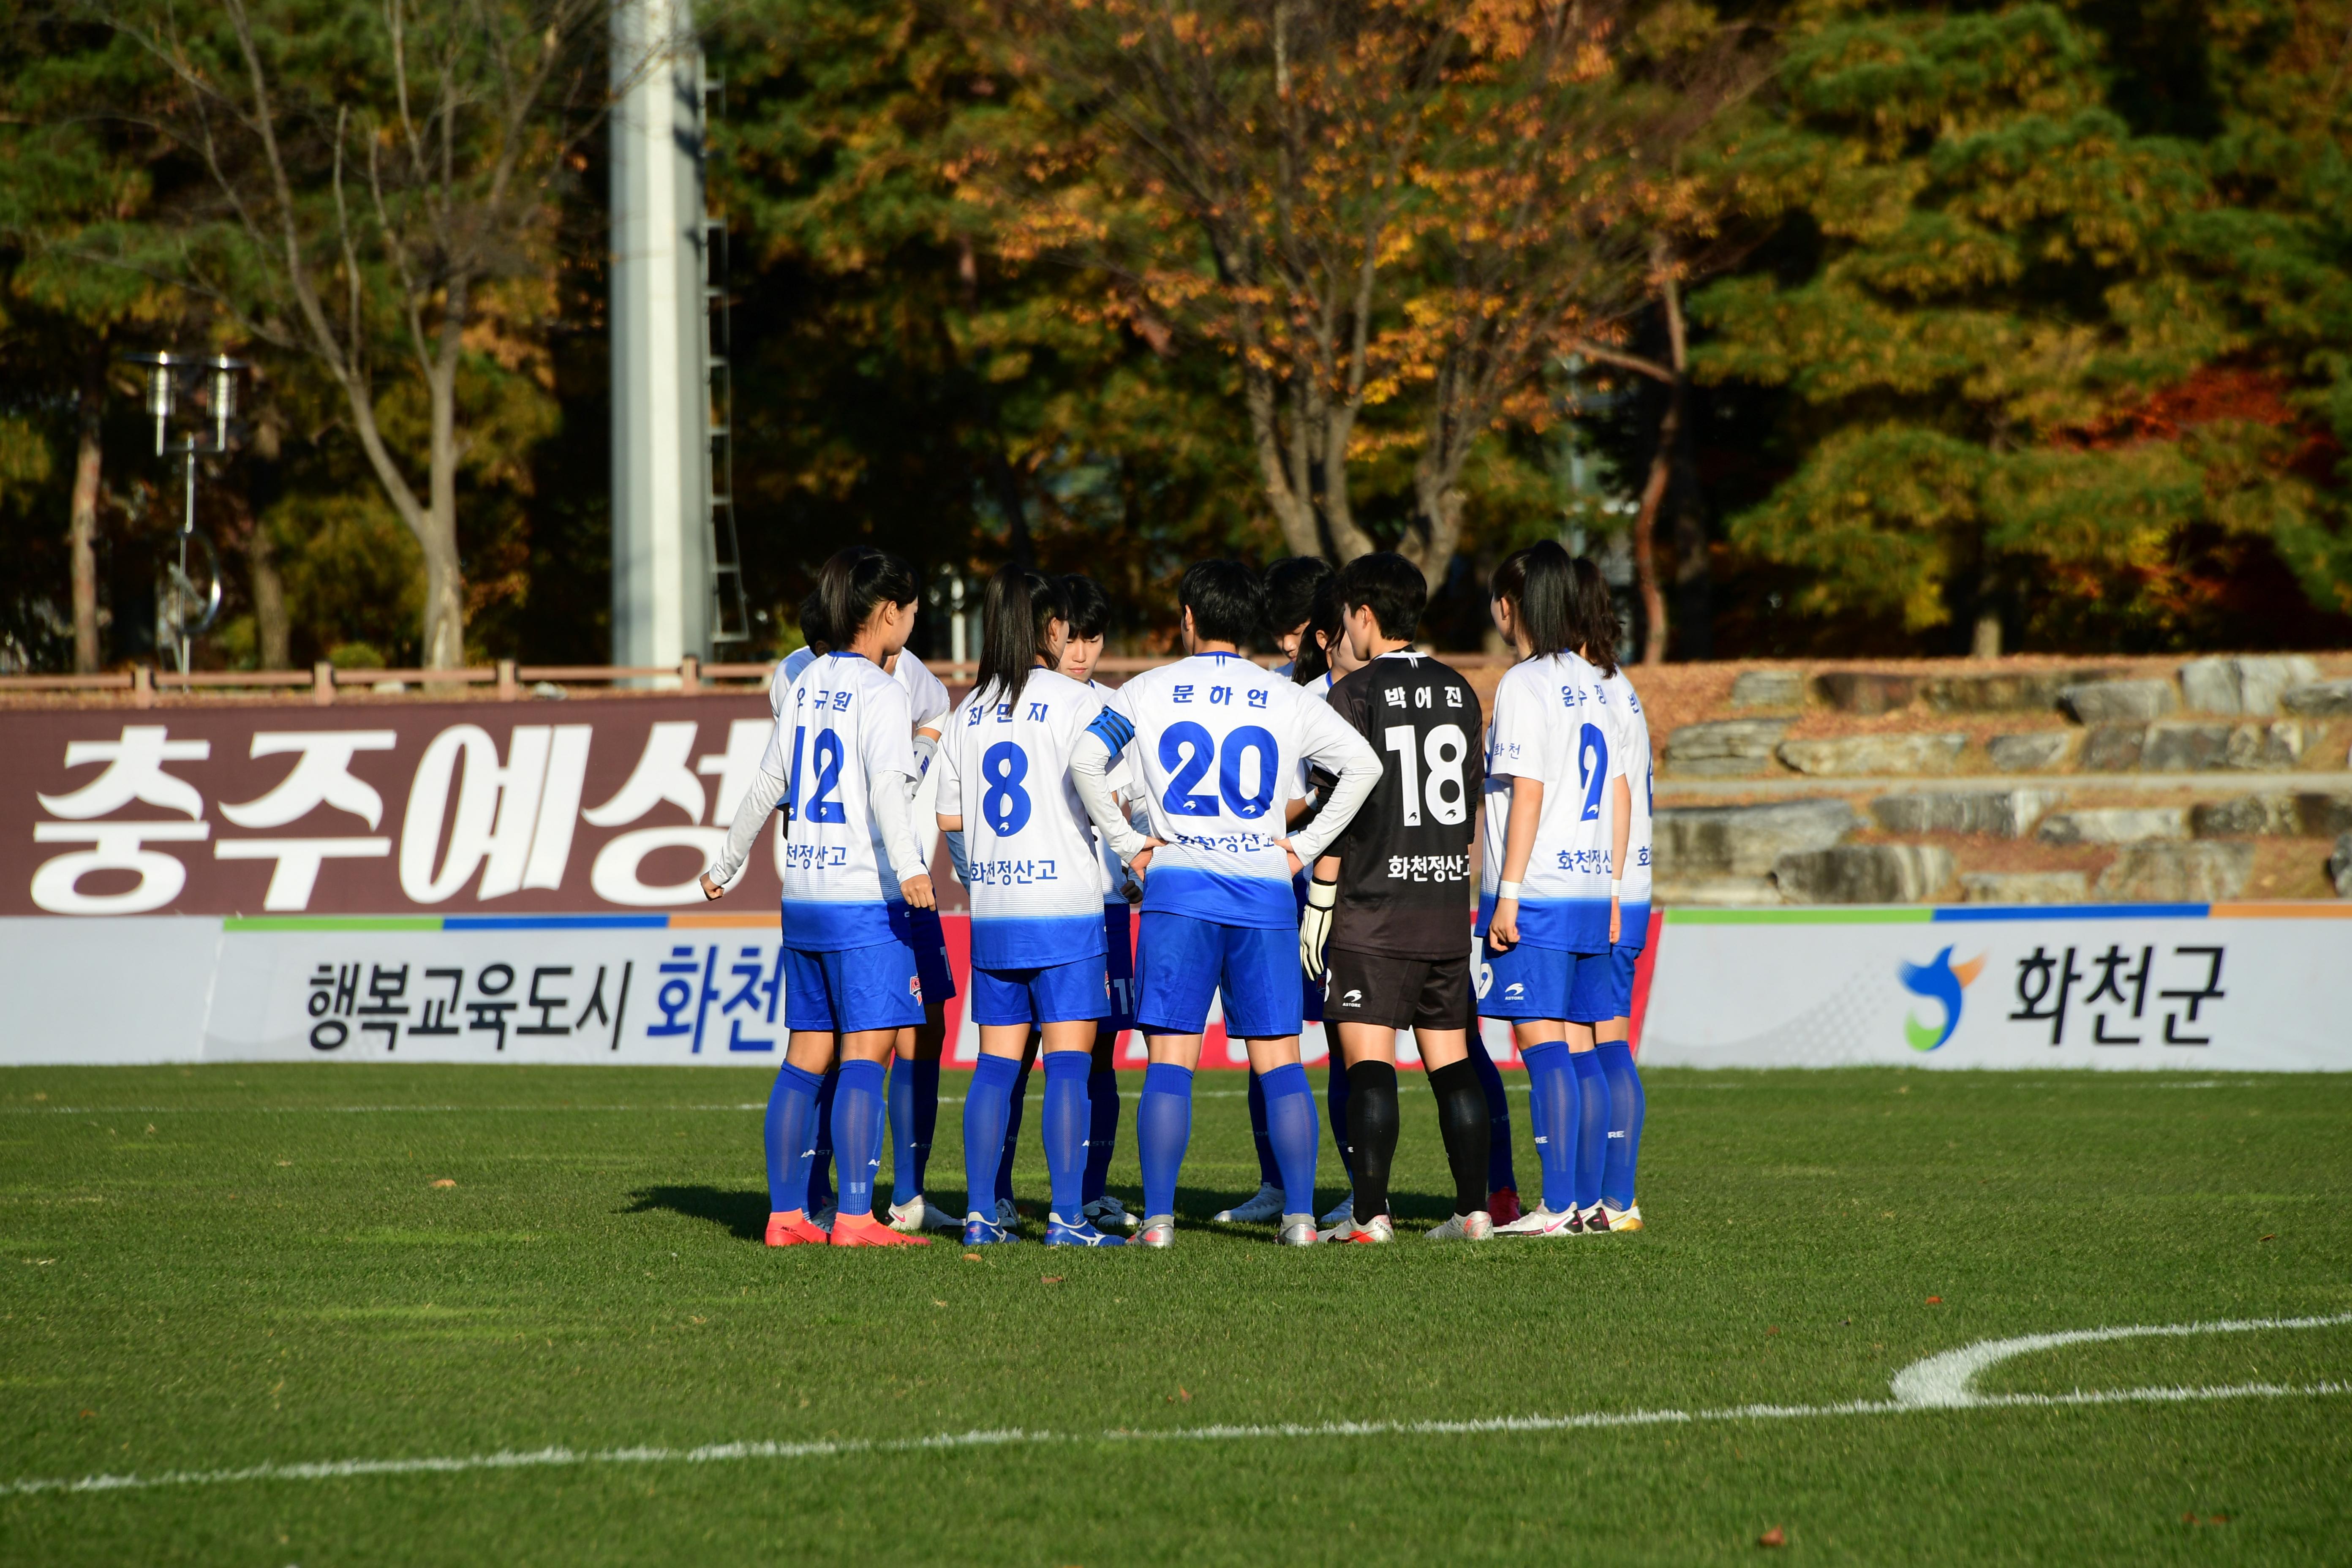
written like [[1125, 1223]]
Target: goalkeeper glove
[[1315, 927]]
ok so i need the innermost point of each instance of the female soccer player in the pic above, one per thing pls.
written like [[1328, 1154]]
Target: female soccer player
[[915, 1070], [1597, 629], [1037, 949], [1546, 910], [842, 755]]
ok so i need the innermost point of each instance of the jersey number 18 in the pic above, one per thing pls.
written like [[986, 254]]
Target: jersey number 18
[[1445, 748]]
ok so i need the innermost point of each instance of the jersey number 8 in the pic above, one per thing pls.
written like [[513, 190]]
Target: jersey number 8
[[1004, 804], [1445, 748]]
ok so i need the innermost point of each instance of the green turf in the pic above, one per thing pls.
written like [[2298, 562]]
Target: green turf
[[227, 1266]]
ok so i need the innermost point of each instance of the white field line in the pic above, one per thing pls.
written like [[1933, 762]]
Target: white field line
[[1917, 1389], [389, 1109]]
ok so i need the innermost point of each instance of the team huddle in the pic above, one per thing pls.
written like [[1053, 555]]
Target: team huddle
[[1292, 844]]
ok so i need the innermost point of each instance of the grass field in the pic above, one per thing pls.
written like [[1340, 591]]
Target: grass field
[[215, 1268]]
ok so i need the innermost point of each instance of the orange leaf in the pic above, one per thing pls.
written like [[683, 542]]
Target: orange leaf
[[1773, 1537]]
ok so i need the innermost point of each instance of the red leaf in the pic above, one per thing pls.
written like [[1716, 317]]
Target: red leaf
[[1935, 1300], [1773, 1537]]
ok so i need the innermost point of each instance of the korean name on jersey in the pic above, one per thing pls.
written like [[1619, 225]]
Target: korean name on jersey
[[1037, 881], [1551, 725], [1405, 860], [1216, 743], [843, 720]]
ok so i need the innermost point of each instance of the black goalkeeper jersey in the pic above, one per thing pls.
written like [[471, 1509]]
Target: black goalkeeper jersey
[[1404, 860]]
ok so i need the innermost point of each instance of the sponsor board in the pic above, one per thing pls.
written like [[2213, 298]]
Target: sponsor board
[[2232, 987]]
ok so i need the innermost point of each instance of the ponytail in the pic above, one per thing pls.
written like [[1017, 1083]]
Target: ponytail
[[1594, 613], [1014, 616], [1538, 583], [856, 581], [1325, 619]]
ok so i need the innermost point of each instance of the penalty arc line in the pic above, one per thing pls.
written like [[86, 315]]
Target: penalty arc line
[[554, 1457]]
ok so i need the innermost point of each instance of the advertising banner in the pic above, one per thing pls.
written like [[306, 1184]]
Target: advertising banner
[[2231, 988]]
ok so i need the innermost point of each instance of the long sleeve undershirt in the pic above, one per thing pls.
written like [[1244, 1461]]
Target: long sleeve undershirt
[[894, 815], [1360, 773], [751, 815], [1090, 762]]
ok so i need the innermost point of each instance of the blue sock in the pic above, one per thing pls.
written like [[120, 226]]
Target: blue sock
[[986, 1105], [790, 1104], [1551, 1087], [820, 1174], [1068, 1117], [1290, 1124], [1102, 1130], [927, 1118], [1500, 1176], [1269, 1174], [1335, 1106], [1626, 1104], [1163, 1126], [1591, 1127], [903, 1185], [857, 1118], [1019, 1103]]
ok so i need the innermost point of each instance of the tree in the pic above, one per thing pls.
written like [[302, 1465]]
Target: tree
[[1391, 215], [376, 194], [1989, 289]]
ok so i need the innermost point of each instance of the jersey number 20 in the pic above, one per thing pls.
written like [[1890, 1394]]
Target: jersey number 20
[[1444, 748], [1187, 749]]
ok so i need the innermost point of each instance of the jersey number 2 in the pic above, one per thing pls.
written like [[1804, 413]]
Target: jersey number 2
[[1592, 768]]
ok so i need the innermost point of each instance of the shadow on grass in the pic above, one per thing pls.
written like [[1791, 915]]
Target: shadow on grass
[[741, 1211]]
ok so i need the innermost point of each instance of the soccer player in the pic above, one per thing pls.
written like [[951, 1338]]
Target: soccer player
[[915, 1068], [1391, 900], [850, 971], [1597, 630], [1292, 586], [1037, 911], [1217, 743], [1547, 910]]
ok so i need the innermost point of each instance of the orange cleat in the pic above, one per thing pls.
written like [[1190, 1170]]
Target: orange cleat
[[865, 1230], [793, 1229], [1503, 1205]]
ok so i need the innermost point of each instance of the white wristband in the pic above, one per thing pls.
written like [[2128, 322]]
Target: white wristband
[[1614, 887], [1507, 889]]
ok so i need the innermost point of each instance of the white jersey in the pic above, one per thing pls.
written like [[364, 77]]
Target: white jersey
[[1005, 766], [849, 736], [1641, 779], [927, 699], [1216, 744], [1550, 725], [1121, 780]]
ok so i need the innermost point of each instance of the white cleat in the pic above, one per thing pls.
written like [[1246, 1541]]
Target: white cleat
[[1158, 1232], [1265, 1205], [1344, 1227], [1377, 1231], [1593, 1221], [1539, 1222], [1342, 1213], [918, 1214], [1298, 1230], [1477, 1226], [1107, 1212]]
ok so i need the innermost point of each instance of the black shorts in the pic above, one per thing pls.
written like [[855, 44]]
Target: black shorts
[[1400, 992]]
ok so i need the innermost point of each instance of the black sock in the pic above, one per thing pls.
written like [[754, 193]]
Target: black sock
[[1372, 1128], [1462, 1119]]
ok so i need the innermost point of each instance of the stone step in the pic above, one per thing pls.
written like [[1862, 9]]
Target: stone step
[[1904, 751], [2244, 685], [2005, 814], [2116, 825], [2033, 751], [1768, 688], [2107, 701], [2024, 887], [1694, 843], [2190, 746], [1864, 874], [2308, 814], [1725, 746], [2177, 873], [2320, 700]]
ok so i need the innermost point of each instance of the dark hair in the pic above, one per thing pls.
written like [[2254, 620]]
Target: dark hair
[[1537, 581], [813, 631], [1227, 601], [855, 582], [1593, 613], [1388, 585], [1325, 623], [1291, 585], [1012, 617], [1089, 606]]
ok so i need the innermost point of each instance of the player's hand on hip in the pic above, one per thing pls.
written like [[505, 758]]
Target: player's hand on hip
[[711, 889], [1315, 926], [1297, 865], [917, 891], [1503, 927], [1142, 860]]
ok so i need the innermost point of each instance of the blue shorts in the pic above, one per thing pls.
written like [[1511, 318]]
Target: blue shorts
[[1622, 960], [852, 988], [1181, 962], [1528, 981], [1056, 994], [1118, 952], [931, 945]]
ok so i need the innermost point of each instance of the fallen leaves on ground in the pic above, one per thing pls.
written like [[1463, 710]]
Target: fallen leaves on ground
[[1773, 1537]]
